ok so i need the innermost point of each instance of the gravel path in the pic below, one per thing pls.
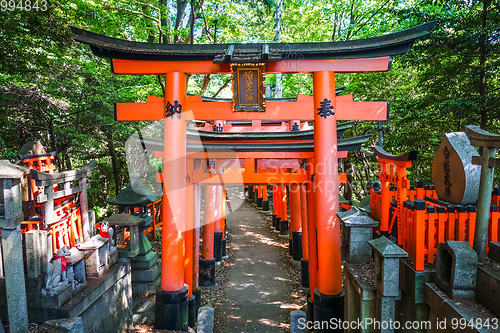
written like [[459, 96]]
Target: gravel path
[[258, 294]]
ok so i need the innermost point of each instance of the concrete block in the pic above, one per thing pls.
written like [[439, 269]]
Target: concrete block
[[357, 231], [297, 321], [412, 282], [70, 325], [205, 320], [456, 269]]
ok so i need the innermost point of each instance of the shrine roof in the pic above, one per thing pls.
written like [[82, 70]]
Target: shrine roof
[[386, 45]]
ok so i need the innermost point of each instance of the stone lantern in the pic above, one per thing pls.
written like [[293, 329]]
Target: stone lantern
[[11, 216], [135, 199]]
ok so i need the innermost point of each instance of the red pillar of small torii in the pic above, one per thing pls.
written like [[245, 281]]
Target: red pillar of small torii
[[207, 261], [305, 237], [218, 126], [328, 297], [172, 295]]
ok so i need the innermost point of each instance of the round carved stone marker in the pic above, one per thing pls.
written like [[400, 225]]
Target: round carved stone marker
[[455, 178]]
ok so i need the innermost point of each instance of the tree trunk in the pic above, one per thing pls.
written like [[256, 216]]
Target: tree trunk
[[114, 162], [348, 185], [482, 67]]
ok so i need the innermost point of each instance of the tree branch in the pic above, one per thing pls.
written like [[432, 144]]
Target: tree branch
[[222, 87]]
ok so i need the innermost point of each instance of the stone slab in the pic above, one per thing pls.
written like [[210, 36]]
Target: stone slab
[[412, 282], [442, 306], [14, 280], [71, 325], [488, 289], [105, 305], [386, 248]]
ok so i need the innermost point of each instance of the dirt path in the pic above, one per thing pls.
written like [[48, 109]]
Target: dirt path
[[258, 294]]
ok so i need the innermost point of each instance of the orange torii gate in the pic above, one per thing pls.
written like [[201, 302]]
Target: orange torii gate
[[320, 59]]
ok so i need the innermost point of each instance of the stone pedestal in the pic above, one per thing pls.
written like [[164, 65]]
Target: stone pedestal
[[412, 306], [357, 231]]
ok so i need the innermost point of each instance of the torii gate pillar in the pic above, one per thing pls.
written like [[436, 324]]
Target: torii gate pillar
[[172, 295], [328, 296]]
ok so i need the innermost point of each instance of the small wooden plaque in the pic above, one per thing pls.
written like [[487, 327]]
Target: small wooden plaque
[[248, 87]]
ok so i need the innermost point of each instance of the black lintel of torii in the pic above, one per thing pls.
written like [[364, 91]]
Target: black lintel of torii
[[386, 45], [203, 135], [342, 145]]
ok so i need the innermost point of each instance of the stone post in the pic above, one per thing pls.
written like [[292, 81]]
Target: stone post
[[489, 142], [11, 215], [387, 255]]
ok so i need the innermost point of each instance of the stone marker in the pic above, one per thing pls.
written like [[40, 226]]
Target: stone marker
[[297, 321], [456, 269], [205, 320], [455, 178]]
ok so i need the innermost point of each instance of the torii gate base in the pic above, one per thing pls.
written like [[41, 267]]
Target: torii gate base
[[172, 308]]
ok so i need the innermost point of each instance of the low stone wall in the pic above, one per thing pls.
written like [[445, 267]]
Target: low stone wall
[[105, 305]]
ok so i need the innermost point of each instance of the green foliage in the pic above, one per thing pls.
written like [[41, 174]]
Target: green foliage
[[56, 91]]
